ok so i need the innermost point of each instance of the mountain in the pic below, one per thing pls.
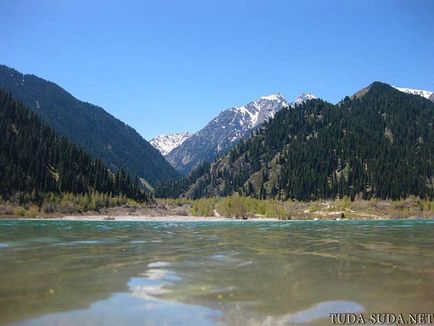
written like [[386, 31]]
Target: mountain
[[166, 143], [301, 99], [103, 136], [426, 94], [34, 159], [223, 132], [378, 144]]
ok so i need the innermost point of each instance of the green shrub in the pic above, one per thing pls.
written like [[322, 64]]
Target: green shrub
[[203, 207], [19, 211], [33, 211]]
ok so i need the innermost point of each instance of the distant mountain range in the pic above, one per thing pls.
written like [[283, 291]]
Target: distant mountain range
[[378, 143], [226, 130], [268, 148], [166, 143], [88, 126]]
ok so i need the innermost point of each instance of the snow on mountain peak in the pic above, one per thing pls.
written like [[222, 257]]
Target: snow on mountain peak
[[256, 112], [302, 98], [224, 131], [166, 143], [412, 91], [273, 97]]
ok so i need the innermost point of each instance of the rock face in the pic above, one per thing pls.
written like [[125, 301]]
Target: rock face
[[166, 143], [223, 132]]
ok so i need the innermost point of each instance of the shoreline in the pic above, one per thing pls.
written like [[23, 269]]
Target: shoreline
[[193, 219], [223, 209], [142, 218], [190, 218]]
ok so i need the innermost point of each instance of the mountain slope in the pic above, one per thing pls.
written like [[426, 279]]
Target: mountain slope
[[377, 144], [88, 126], [419, 92], [223, 132], [166, 143], [34, 159]]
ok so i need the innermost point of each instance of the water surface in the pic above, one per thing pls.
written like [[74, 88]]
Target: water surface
[[211, 273]]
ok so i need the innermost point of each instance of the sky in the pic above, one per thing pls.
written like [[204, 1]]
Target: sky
[[171, 66]]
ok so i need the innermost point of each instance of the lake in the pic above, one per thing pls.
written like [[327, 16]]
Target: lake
[[211, 273]]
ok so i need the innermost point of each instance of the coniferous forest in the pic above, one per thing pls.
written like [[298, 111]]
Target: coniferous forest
[[91, 128], [173, 189], [377, 144], [35, 160]]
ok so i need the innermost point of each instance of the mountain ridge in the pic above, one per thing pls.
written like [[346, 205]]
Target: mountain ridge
[[419, 92], [376, 145], [228, 128], [88, 126]]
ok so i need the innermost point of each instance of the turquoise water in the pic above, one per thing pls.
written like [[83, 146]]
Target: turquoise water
[[211, 273]]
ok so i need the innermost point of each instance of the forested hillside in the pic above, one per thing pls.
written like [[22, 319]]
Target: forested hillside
[[175, 188], [223, 132], [378, 143], [35, 159], [103, 136]]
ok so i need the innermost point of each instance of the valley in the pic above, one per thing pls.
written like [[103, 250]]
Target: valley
[[377, 144]]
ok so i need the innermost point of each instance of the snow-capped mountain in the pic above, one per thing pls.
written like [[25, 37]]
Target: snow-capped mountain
[[427, 94], [226, 130], [254, 113], [303, 98], [165, 143]]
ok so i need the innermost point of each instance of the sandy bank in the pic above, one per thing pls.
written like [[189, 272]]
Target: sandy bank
[[143, 218]]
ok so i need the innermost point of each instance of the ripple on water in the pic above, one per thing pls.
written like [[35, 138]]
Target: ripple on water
[[227, 256], [161, 274], [87, 241], [78, 243], [158, 264], [137, 241], [245, 263], [3, 245]]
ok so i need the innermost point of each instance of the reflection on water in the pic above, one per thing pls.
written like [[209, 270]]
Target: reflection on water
[[207, 273], [316, 312]]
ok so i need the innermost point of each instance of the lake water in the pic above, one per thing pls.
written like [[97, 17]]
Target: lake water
[[211, 273]]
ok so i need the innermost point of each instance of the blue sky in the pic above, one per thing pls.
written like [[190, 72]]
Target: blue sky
[[167, 66]]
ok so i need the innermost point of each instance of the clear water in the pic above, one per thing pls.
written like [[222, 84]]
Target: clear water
[[211, 273]]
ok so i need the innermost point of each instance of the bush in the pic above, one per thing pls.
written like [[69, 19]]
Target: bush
[[203, 207], [19, 211], [33, 211]]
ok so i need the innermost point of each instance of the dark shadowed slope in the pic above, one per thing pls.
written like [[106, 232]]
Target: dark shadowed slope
[[34, 159], [99, 133]]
